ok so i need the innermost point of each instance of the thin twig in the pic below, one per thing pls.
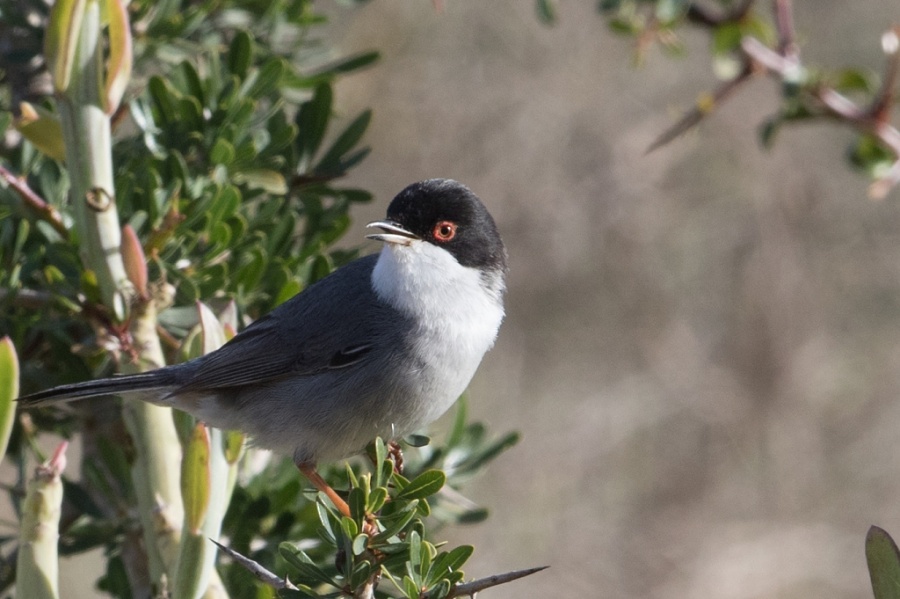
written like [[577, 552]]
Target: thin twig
[[784, 66], [35, 202], [708, 102], [27, 298], [874, 120], [840, 106], [884, 99], [784, 21], [702, 108], [471, 588], [258, 570]]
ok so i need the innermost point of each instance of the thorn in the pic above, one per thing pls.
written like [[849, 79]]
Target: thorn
[[261, 573], [704, 106], [472, 588]]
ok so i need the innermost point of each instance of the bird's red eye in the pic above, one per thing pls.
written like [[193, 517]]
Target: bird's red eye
[[445, 230]]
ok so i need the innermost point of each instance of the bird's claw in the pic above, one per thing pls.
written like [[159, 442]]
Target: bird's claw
[[396, 454]]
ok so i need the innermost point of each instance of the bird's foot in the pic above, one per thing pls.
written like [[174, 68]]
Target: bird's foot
[[369, 527], [396, 456]]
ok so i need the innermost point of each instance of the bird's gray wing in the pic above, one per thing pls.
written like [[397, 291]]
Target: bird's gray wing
[[334, 323]]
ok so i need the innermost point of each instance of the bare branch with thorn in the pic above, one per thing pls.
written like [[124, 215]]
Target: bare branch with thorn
[[875, 119], [783, 63], [34, 201], [471, 588], [260, 572], [705, 105], [460, 590]]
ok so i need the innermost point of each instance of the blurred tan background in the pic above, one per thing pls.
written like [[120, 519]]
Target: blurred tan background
[[702, 347]]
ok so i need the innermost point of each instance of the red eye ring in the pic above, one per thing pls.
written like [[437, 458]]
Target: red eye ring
[[444, 230]]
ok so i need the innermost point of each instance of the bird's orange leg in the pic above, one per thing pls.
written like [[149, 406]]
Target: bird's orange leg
[[310, 472]]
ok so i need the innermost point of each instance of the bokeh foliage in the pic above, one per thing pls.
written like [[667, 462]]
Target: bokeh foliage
[[749, 38]]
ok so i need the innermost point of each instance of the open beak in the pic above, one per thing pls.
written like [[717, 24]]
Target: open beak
[[393, 233]]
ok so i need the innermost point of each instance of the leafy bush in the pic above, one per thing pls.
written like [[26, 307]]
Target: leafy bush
[[193, 155]]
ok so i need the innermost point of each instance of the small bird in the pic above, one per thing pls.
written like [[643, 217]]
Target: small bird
[[380, 347]]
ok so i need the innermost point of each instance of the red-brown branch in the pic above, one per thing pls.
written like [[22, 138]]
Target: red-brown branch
[[34, 201]]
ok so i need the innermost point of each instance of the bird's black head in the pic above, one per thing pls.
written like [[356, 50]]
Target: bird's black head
[[447, 214]]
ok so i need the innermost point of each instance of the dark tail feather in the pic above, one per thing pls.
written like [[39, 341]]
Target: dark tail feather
[[145, 381]]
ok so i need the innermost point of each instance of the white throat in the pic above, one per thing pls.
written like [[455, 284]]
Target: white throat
[[458, 309]]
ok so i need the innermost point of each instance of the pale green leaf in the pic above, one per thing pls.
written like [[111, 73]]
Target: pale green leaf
[[9, 390], [61, 40], [195, 478], [119, 62], [883, 560]]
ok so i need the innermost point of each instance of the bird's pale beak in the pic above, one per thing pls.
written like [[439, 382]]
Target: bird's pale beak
[[393, 233]]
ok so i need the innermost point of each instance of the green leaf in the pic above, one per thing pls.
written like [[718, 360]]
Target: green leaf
[[458, 430], [265, 179], [349, 528], [86, 533], [380, 458], [345, 65], [289, 290], [222, 152], [871, 155], [398, 521], [473, 516], [609, 5], [448, 562], [492, 451], [61, 40], [303, 564], [161, 96], [345, 142], [361, 571], [624, 26], [883, 559], [428, 553], [440, 591], [190, 81], [850, 80], [410, 589], [726, 38], [768, 131], [312, 121], [360, 543], [357, 502], [9, 390], [546, 11], [43, 129], [416, 554], [195, 481], [234, 446], [417, 440], [668, 11], [426, 484], [377, 499], [240, 54], [424, 508], [266, 80], [322, 266], [119, 61]]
